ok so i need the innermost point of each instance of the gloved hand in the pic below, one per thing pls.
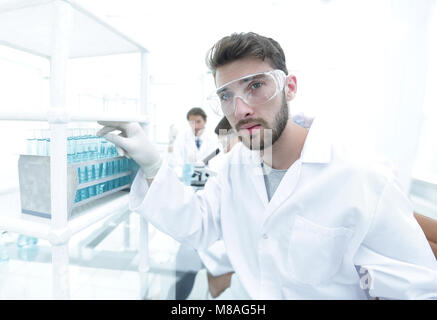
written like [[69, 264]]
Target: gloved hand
[[134, 142]]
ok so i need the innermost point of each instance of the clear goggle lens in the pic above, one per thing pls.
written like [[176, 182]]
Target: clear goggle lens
[[255, 89]]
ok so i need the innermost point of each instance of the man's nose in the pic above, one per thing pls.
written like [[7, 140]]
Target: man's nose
[[242, 109]]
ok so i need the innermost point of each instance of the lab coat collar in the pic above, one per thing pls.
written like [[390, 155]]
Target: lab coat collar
[[318, 145], [317, 149]]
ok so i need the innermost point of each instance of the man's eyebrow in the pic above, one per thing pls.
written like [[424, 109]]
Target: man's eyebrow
[[244, 80], [222, 90], [250, 78]]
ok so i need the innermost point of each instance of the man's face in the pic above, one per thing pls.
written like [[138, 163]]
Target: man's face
[[258, 126], [197, 123]]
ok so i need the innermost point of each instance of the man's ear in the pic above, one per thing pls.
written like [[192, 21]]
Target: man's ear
[[290, 87]]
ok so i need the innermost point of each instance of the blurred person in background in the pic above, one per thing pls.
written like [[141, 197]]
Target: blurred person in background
[[194, 144]]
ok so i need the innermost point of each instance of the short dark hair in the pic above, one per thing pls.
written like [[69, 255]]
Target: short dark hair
[[222, 125], [196, 112], [242, 45]]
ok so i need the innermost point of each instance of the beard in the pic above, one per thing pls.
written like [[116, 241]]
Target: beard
[[267, 136]]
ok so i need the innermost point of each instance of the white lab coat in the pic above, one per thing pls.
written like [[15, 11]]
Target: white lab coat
[[186, 151], [215, 259], [337, 227]]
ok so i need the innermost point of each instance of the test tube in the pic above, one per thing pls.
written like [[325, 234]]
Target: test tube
[[31, 143], [109, 168], [110, 185], [48, 147], [100, 171], [99, 188], [112, 150], [116, 166], [93, 149], [77, 197], [70, 149], [121, 165], [92, 191], [80, 149], [41, 147], [103, 148], [91, 172], [117, 183], [84, 194], [82, 173]]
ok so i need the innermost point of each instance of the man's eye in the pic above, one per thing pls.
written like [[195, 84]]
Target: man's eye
[[256, 85], [224, 96]]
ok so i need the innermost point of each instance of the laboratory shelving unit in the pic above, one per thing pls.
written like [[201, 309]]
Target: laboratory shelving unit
[[59, 30]]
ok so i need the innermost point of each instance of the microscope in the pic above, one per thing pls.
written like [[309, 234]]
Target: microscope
[[201, 172]]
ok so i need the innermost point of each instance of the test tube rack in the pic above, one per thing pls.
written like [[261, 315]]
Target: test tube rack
[[34, 180]]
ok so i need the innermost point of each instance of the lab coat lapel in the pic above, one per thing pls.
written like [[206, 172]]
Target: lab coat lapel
[[316, 150], [255, 174], [286, 188]]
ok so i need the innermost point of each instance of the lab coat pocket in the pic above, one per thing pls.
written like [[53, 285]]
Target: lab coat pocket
[[316, 252]]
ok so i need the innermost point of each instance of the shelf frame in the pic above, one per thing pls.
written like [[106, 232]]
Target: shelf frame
[[59, 229]]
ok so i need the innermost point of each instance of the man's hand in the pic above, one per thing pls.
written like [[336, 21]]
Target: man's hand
[[134, 142], [218, 284]]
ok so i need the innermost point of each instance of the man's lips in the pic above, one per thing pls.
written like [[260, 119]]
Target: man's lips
[[251, 127]]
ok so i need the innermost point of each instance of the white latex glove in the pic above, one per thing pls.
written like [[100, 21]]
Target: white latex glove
[[134, 142]]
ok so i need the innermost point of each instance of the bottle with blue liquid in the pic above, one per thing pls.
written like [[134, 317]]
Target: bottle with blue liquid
[[27, 247]]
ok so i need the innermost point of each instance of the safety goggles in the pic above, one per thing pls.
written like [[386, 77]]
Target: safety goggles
[[255, 90]]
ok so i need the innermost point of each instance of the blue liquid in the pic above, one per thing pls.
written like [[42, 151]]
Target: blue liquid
[[83, 194], [116, 165], [77, 197], [102, 170], [89, 148], [92, 191], [103, 148], [24, 241], [83, 174], [122, 165], [27, 248], [100, 188], [91, 172], [109, 168]]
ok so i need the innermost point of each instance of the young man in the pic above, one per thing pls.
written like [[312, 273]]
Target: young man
[[300, 217], [196, 143]]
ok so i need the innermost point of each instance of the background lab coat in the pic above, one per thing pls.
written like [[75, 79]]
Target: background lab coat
[[185, 150], [333, 217]]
